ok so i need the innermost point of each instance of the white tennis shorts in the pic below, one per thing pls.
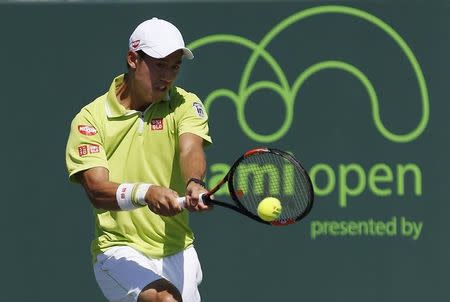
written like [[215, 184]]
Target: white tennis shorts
[[122, 272]]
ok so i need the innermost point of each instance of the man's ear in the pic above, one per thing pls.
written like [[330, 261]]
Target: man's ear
[[132, 59]]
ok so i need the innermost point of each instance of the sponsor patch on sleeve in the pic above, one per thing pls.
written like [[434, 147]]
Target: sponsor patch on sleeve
[[87, 130], [84, 150], [198, 107], [93, 148]]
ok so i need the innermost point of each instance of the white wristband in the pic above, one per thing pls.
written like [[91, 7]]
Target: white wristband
[[123, 195], [131, 196], [141, 191]]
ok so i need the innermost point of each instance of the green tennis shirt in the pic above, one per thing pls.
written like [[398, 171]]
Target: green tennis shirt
[[137, 147]]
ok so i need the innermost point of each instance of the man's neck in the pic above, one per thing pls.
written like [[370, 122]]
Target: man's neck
[[128, 99]]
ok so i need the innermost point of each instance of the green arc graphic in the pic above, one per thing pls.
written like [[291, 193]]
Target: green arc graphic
[[288, 93]]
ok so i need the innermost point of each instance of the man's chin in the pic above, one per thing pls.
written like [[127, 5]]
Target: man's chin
[[159, 96]]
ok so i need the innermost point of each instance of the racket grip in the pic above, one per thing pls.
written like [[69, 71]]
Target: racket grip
[[182, 200]]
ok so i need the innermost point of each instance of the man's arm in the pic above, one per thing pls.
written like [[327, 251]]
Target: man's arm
[[193, 165], [102, 193]]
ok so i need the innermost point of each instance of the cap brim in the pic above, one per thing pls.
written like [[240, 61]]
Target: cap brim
[[188, 53]]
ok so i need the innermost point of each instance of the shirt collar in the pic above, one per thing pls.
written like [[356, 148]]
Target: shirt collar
[[113, 107]]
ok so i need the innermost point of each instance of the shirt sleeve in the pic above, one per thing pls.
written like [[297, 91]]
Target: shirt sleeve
[[85, 147], [193, 118]]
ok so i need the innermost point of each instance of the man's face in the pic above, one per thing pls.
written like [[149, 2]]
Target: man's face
[[154, 77]]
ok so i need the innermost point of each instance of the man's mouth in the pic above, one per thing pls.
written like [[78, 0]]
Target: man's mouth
[[162, 88]]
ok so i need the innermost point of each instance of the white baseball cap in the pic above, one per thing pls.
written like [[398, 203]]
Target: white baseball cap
[[158, 38]]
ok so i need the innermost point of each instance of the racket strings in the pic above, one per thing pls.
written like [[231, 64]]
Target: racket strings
[[272, 175]]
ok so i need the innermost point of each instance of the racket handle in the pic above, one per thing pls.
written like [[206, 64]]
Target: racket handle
[[182, 200]]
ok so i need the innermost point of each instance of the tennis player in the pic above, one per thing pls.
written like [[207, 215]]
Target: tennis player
[[135, 149]]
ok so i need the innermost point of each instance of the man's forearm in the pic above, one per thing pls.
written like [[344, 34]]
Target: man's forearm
[[193, 164], [192, 157]]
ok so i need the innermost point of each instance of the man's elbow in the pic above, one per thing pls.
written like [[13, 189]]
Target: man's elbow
[[96, 196]]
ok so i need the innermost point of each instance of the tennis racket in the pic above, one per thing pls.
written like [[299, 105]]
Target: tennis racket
[[261, 173]]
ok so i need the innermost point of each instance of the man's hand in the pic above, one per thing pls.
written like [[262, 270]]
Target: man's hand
[[193, 203], [162, 201]]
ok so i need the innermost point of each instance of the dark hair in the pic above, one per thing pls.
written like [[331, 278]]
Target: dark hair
[[142, 54]]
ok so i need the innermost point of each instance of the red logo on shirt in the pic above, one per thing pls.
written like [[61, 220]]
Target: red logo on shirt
[[83, 150], [87, 130], [88, 149], [94, 148], [157, 124]]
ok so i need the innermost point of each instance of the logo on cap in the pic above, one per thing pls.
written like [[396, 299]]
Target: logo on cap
[[135, 43]]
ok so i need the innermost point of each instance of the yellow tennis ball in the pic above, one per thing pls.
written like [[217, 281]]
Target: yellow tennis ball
[[269, 209]]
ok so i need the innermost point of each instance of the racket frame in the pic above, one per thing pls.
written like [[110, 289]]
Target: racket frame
[[238, 205]]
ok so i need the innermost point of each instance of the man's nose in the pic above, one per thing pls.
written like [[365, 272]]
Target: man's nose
[[168, 75]]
